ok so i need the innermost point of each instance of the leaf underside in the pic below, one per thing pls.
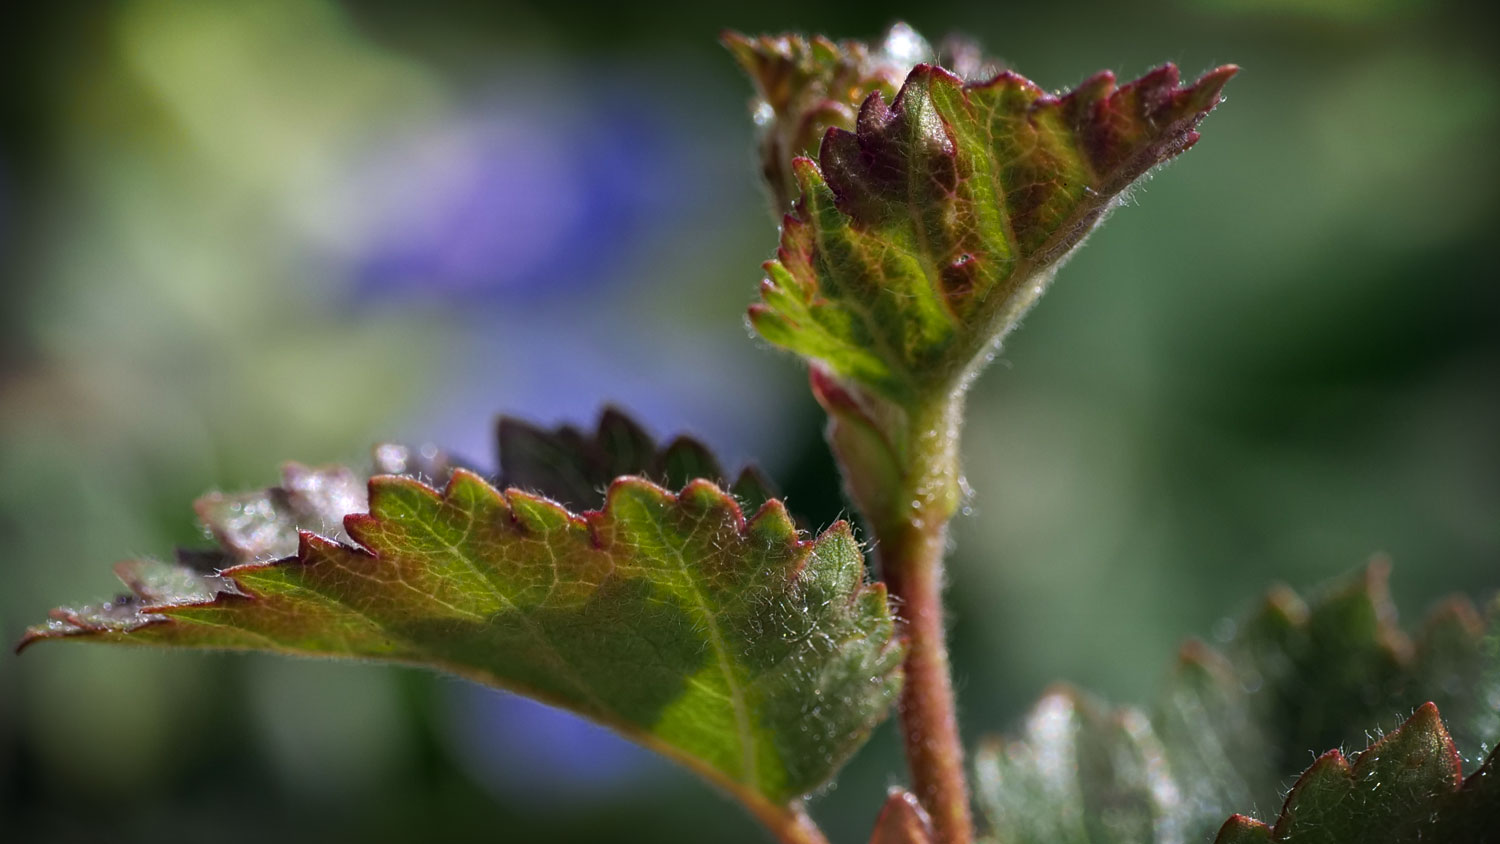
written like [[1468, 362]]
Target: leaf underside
[[750, 653], [924, 234], [1231, 727]]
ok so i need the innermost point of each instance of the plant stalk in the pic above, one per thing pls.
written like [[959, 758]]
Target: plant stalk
[[912, 537], [914, 573]]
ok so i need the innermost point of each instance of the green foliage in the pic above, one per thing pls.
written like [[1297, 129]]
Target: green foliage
[[755, 656], [924, 234], [1230, 728], [933, 207], [1406, 787]]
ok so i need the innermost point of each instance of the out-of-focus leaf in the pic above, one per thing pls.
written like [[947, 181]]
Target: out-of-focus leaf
[[1231, 728], [754, 655], [1406, 788], [574, 468], [1079, 773], [925, 232]]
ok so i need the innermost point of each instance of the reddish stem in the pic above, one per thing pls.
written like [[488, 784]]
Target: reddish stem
[[912, 565], [901, 468]]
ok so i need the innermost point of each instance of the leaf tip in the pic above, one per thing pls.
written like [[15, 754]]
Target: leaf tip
[[29, 638], [1332, 765], [902, 820], [1241, 829], [927, 73], [1455, 617], [1421, 740], [1213, 82], [381, 487], [806, 170]]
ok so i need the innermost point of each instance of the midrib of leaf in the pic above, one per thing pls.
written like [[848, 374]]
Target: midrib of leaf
[[997, 188], [743, 732], [889, 359], [558, 660], [603, 713], [1066, 156], [477, 567], [270, 643], [744, 788], [1002, 307], [914, 210]]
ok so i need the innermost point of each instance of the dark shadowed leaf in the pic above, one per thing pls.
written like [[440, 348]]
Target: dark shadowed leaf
[[1406, 788], [1232, 729], [574, 468]]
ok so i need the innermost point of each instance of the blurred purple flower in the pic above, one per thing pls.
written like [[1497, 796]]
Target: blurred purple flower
[[516, 196], [522, 749]]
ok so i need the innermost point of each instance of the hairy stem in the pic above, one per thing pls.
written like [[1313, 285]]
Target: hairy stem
[[914, 573], [912, 533]]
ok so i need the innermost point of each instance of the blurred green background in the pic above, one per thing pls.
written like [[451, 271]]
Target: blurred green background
[[239, 233]]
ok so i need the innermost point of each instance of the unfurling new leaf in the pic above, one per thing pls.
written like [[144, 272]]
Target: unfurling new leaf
[[755, 656], [929, 220], [805, 86], [926, 229]]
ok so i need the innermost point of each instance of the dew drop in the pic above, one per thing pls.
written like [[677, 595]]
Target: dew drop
[[904, 46], [1224, 629]]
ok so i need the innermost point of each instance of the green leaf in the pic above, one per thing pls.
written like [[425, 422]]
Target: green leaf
[[924, 234], [1406, 787], [756, 656], [1080, 773], [1231, 728]]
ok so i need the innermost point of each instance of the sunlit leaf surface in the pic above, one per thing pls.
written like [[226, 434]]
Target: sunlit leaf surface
[[753, 654], [931, 223]]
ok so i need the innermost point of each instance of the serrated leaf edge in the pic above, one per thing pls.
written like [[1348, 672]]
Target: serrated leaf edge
[[771, 520], [1335, 763], [1031, 274]]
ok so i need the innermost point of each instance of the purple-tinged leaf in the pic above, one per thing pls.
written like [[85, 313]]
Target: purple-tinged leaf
[[805, 86], [927, 229]]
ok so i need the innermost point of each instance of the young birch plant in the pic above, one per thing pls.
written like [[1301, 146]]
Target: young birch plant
[[926, 208]]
